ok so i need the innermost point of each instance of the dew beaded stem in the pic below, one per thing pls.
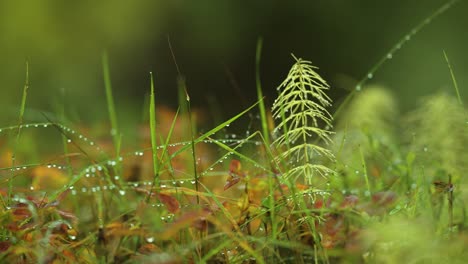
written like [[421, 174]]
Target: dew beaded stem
[[389, 55]]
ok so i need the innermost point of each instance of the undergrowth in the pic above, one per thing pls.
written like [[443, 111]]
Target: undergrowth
[[380, 187]]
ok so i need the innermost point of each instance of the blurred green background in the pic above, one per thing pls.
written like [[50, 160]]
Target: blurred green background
[[214, 42]]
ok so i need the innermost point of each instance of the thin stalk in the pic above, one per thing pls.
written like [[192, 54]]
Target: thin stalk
[[364, 168], [389, 55]]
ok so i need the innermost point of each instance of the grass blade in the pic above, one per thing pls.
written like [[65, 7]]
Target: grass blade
[[152, 113], [110, 100], [214, 130], [454, 80], [18, 134], [261, 104]]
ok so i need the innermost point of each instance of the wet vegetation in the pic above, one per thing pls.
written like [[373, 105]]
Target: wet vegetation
[[309, 181]]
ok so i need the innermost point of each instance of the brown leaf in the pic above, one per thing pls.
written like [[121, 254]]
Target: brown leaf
[[235, 174], [441, 186], [189, 219], [231, 181], [149, 248], [21, 212], [170, 202], [68, 215]]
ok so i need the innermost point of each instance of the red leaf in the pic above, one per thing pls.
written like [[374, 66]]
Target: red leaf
[[318, 204], [4, 245], [170, 202], [349, 201]]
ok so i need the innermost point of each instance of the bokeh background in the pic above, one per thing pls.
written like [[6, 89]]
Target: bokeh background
[[214, 43]]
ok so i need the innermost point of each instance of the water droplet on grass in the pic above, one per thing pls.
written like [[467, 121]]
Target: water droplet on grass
[[358, 87], [122, 192]]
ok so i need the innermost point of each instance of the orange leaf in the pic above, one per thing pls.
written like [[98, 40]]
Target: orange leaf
[[235, 168], [48, 178]]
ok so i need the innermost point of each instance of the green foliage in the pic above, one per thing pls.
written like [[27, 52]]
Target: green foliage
[[301, 107], [439, 134], [402, 240], [367, 123]]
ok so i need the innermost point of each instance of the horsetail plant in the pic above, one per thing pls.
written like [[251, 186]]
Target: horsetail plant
[[301, 107]]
